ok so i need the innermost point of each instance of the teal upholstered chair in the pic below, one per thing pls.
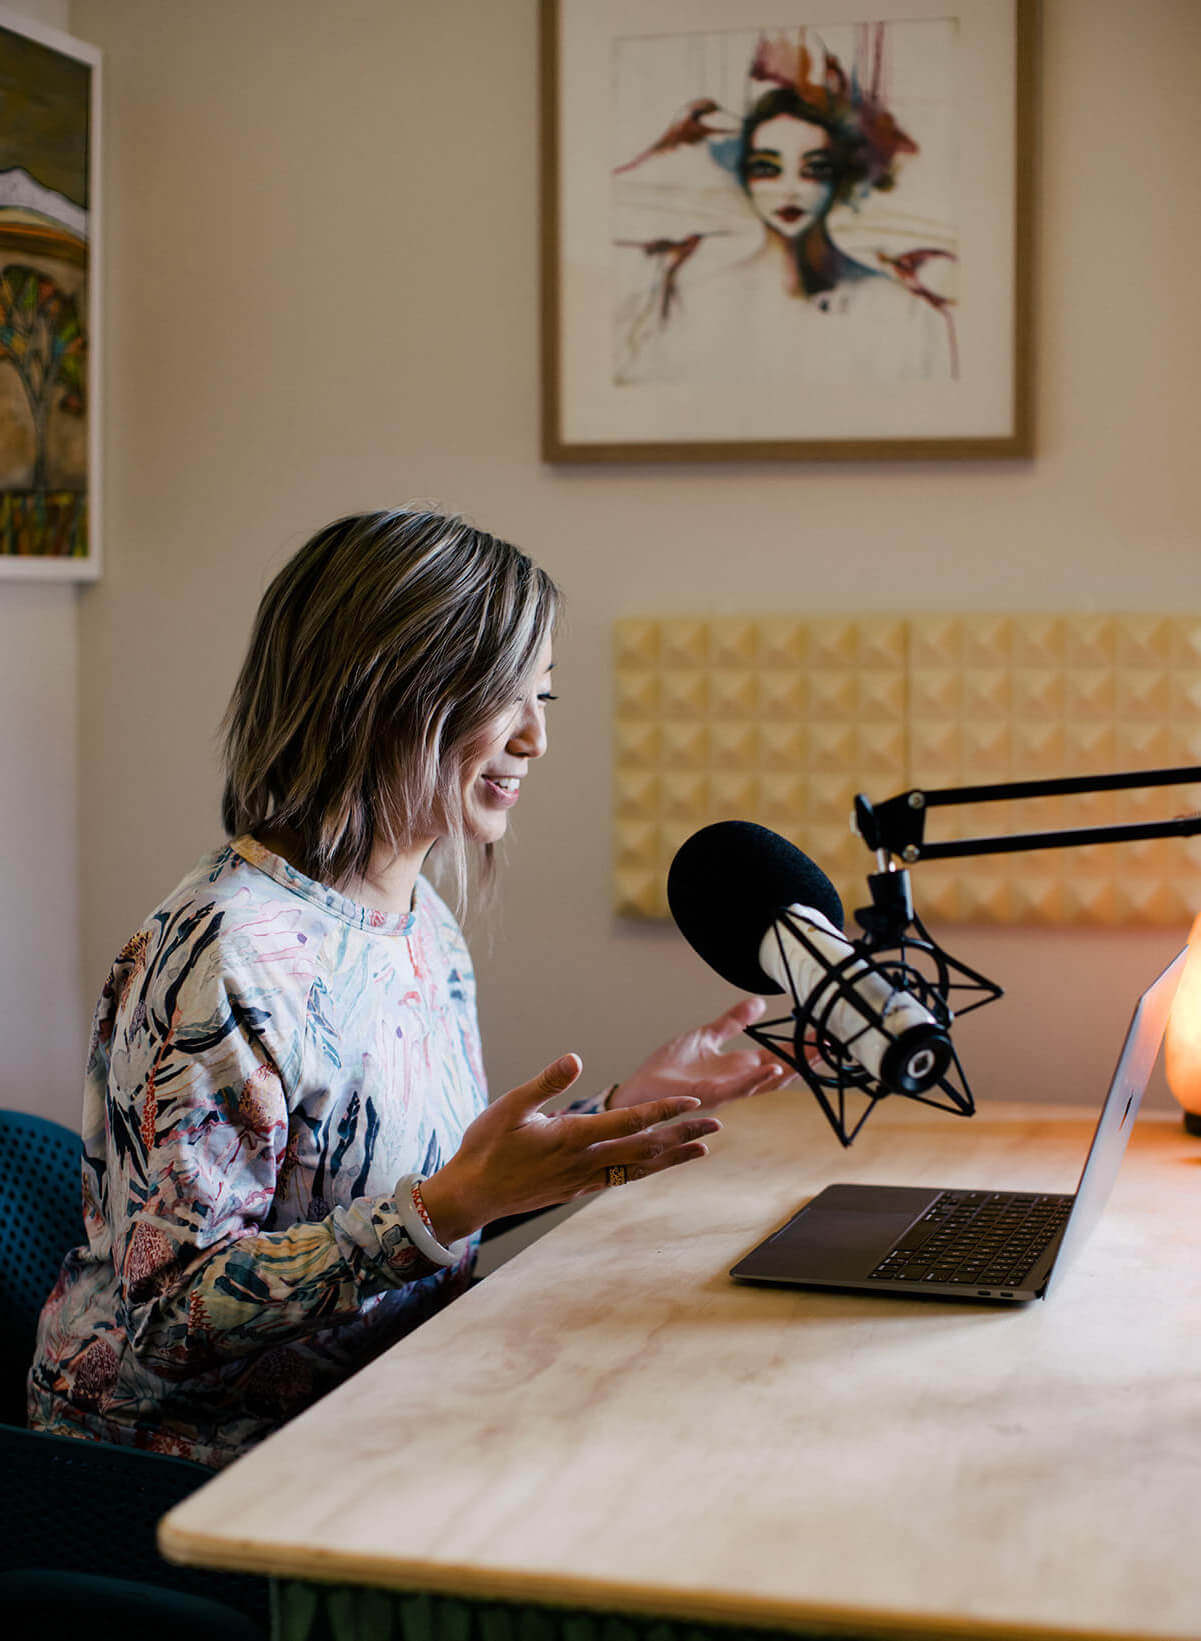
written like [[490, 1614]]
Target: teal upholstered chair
[[78, 1518], [41, 1218]]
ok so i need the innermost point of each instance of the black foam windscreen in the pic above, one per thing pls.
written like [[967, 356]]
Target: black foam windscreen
[[727, 885]]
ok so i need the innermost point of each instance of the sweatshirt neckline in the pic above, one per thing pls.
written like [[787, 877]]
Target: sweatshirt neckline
[[338, 905]]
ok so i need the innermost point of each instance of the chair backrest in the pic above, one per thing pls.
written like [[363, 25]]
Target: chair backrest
[[80, 1507], [41, 1220], [89, 1508]]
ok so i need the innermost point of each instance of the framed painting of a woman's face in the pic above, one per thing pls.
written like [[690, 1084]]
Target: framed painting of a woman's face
[[801, 236]]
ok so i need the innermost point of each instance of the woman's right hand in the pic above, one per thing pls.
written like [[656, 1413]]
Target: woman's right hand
[[515, 1157]]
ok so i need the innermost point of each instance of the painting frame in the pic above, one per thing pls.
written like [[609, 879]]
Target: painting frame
[[585, 420], [47, 229]]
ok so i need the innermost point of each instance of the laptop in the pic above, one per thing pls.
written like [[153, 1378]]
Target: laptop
[[1003, 1246]]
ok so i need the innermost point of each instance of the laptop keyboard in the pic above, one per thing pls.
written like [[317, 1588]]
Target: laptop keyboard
[[977, 1239]]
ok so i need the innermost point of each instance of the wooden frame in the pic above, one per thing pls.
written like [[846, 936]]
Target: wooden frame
[[888, 327], [49, 303]]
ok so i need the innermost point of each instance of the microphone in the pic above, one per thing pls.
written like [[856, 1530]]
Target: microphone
[[769, 920], [908, 1052]]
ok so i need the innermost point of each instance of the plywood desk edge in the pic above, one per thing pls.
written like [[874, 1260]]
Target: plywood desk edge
[[466, 1583]]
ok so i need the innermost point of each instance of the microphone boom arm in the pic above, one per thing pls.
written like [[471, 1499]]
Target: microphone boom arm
[[895, 831], [897, 826], [837, 1016]]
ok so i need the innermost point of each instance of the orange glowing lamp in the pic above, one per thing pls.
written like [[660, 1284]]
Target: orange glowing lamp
[[1182, 1041]]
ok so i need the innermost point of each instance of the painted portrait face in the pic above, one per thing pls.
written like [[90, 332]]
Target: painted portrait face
[[789, 174]]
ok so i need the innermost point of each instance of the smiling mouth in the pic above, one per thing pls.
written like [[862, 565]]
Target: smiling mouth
[[505, 787]]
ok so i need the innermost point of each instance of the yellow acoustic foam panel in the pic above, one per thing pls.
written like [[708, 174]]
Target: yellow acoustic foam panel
[[782, 721]]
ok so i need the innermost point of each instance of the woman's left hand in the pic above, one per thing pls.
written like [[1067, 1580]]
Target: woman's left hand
[[695, 1063]]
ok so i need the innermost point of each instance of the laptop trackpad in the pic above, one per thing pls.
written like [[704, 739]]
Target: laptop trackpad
[[840, 1236]]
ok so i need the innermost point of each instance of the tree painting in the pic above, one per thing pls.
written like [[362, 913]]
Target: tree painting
[[47, 301], [42, 338]]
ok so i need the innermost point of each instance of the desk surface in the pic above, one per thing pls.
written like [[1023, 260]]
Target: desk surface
[[609, 1421]]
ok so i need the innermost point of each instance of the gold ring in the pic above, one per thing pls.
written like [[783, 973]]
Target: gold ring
[[616, 1174]]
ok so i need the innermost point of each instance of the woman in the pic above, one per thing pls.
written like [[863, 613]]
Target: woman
[[288, 1149]]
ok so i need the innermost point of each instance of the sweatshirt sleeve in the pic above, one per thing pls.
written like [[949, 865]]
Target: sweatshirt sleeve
[[592, 1103], [198, 1123]]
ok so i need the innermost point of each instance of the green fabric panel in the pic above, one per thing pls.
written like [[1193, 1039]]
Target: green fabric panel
[[621, 1629], [316, 1612], [361, 1614], [294, 1609], [499, 1624], [416, 1613], [540, 1624], [454, 1620]]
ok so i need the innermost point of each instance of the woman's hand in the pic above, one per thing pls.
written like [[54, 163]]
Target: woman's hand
[[695, 1063], [515, 1157]]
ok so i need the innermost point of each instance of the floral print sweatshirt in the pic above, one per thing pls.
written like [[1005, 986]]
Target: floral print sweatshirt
[[267, 1060]]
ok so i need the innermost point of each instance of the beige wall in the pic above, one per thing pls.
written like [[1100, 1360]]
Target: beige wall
[[41, 1019], [322, 229]]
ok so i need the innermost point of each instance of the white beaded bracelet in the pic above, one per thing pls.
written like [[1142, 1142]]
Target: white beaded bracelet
[[411, 1208]]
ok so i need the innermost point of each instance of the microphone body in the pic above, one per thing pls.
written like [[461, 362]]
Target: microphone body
[[807, 955]]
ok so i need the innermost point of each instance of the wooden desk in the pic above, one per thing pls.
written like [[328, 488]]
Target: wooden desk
[[610, 1422]]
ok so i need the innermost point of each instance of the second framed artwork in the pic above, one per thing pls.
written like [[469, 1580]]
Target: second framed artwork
[[802, 235], [49, 303]]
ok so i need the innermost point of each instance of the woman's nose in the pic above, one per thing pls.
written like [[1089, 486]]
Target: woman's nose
[[528, 739]]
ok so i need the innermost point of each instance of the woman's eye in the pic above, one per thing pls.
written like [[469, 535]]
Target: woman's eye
[[548, 697], [762, 168], [817, 170]]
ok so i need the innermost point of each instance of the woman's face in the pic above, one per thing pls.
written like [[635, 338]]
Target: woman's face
[[789, 171], [492, 778]]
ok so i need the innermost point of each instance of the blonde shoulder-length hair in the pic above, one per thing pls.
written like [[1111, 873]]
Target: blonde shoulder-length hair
[[381, 654]]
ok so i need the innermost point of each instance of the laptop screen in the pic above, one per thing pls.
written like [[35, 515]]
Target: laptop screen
[[1119, 1111]]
